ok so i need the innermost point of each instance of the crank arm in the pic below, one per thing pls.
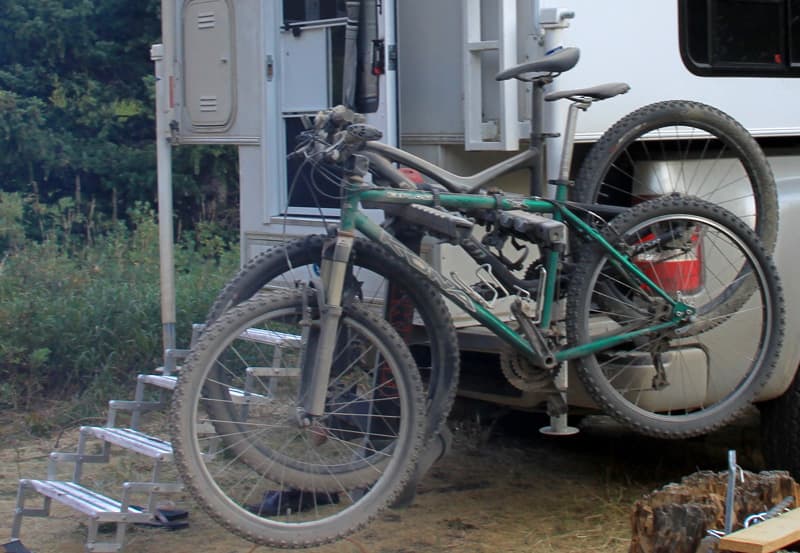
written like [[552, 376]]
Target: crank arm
[[544, 356]]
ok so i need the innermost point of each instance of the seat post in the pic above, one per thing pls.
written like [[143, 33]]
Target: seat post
[[537, 143], [569, 139]]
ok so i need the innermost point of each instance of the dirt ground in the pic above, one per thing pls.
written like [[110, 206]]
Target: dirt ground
[[503, 488]]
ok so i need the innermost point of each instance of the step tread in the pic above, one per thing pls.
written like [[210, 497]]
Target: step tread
[[169, 382], [270, 337], [89, 502], [160, 380], [133, 440]]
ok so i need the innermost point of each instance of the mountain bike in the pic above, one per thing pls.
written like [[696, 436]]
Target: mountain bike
[[708, 155], [300, 412]]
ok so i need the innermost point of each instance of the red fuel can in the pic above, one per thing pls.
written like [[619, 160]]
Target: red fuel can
[[675, 270]]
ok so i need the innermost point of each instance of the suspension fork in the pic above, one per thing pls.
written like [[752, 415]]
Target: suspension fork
[[333, 272]]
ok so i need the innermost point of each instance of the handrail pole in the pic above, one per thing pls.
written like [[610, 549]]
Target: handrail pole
[[164, 176]]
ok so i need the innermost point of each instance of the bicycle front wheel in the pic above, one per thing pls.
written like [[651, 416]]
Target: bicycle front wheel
[[696, 376], [686, 148], [245, 454], [378, 281]]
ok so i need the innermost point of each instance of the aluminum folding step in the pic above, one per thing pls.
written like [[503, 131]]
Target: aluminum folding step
[[270, 337], [139, 405], [127, 438], [133, 440], [159, 380], [98, 507], [238, 395], [88, 502], [102, 509]]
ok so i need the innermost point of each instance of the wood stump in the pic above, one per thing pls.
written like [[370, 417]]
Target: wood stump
[[675, 518]]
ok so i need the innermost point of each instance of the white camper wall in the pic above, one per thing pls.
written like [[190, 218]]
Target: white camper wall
[[431, 46], [637, 42], [620, 40]]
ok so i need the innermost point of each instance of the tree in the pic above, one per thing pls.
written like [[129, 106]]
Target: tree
[[76, 105]]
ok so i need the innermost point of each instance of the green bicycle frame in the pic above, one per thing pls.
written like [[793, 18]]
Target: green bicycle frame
[[353, 219]]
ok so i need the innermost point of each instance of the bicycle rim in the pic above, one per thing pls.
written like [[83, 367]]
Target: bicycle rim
[[702, 374], [685, 148], [253, 465], [372, 279]]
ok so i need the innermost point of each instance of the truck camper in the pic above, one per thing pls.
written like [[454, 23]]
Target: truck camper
[[250, 72]]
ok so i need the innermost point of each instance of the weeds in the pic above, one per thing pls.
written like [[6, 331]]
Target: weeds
[[79, 318]]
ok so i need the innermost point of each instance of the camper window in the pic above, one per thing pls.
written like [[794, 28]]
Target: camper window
[[313, 48], [295, 11], [309, 190], [740, 37]]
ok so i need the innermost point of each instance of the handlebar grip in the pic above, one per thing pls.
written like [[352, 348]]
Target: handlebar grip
[[363, 133]]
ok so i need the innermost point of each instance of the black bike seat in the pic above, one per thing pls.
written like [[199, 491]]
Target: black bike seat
[[599, 92], [557, 62]]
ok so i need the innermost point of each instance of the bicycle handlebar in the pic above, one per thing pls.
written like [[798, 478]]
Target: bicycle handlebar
[[331, 139]]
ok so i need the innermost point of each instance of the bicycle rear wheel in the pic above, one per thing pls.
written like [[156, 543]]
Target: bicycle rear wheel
[[698, 376], [687, 148], [248, 459]]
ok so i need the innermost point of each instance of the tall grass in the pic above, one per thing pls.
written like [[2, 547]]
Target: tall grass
[[80, 319]]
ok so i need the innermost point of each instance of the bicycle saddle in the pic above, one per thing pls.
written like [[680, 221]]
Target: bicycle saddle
[[557, 62], [599, 92]]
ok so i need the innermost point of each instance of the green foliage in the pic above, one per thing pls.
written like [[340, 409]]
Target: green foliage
[[12, 232], [79, 321], [65, 68], [79, 278], [76, 112]]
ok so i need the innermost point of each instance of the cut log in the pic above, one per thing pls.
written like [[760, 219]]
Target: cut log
[[675, 518]]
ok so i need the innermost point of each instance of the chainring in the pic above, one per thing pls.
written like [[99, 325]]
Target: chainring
[[521, 374]]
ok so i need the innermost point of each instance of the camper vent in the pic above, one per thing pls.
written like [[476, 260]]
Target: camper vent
[[208, 103], [206, 20]]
